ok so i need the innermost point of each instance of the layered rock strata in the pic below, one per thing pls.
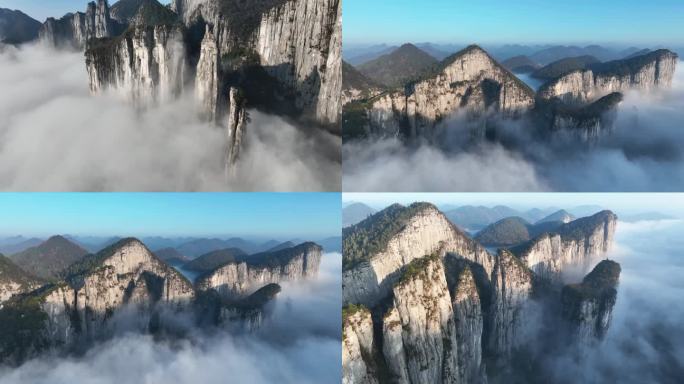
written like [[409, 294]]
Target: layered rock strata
[[653, 70], [424, 232], [573, 244], [245, 275], [358, 347], [76, 29]]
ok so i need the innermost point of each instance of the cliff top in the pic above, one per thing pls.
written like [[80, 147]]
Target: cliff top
[[151, 12], [473, 48], [371, 236], [416, 268], [212, 260], [268, 259], [243, 17], [601, 281], [630, 65]]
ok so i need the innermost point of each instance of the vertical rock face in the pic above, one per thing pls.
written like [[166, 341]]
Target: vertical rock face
[[126, 273], [237, 122], [588, 306], [587, 123], [147, 63], [511, 290], [424, 230], [13, 280], [422, 312], [572, 244], [468, 318], [248, 314], [653, 70], [469, 80], [246, 275], [357, 347], [206, 77], [298, 42], [75, 29]]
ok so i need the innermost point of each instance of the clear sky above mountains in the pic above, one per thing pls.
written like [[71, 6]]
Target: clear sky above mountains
[[42, 9], [279, 215], [626, 22]]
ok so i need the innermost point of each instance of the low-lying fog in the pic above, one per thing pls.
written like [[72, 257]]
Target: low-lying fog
[[299, 344], [55, 135], [643, 154], [645, 342]]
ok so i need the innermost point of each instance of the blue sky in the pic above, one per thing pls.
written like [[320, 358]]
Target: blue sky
[[272, 215], [667, 203], [628, 22], [42, 9]]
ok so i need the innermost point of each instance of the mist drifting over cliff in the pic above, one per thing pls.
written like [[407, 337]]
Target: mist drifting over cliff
[[299, 344], [55, 135], [645, 341], [643, 153]]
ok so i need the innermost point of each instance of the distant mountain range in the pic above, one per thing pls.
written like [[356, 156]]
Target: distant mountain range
[[355, 213], [16, 27]]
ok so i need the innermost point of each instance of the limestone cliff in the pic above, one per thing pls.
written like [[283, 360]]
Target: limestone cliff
[[510, 311], [468, 318], [588, 306], [235, 129], [588, 123], [653, 70], [296, 42], [423, 317], [247, 274], [124, 280], [399, 235], [76, 29], [249, 313], [469, 81], [147, 63], [573, 244], [357, 347]]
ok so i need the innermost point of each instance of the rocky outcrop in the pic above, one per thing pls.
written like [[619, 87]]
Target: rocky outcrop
[[235, 129], [588, 306], [76, 29], [297, 42], [124, 275], [207, 77], [573, 244], [357, 346], [247, 274], [419, 229], [147, 63], [510, 311], [422, 314], [13, 280], [587, 123], [653, 70], [248, 314], [469, 81], [356, 86], [468, 318]]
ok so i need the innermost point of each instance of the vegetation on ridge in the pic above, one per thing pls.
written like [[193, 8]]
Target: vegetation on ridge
[[371, 236]]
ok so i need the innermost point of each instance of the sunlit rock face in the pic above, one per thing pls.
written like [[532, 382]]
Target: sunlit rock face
[[148, 63], [126, 275], [588, 306], [75, 29], [439, 308], [574, 244], [358, 348], [207, 77], [650, 71], [423, 315], [237, 121], [297, 42], [469, 81], [243, 277], [425, 232], [511, 291]]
